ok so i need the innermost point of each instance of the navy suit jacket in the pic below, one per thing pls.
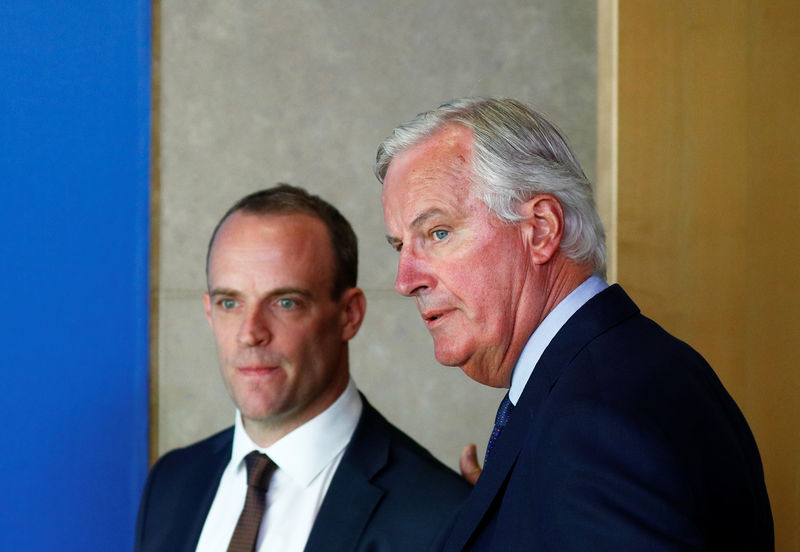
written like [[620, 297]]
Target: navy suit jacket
[[388, 494], [623, 439]]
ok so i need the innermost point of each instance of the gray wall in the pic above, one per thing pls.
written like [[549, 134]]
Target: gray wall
[[259, 92]]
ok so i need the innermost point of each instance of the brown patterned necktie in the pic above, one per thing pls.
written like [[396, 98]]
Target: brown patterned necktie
[[259, 471]]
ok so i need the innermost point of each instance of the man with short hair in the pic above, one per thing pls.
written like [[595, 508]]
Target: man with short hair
[[614, 435], [309, 464]]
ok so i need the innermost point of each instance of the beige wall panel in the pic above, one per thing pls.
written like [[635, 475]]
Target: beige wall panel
[[709, 204], [258, 92], [607, 127]]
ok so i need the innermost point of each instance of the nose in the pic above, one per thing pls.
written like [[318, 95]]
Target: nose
[[413, 274], [254, 330]]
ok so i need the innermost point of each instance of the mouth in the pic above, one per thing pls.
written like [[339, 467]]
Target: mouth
[[431, 318], [257, 369]]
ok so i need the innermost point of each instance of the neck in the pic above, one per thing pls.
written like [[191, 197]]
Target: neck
[[556, 280], [565, 276]]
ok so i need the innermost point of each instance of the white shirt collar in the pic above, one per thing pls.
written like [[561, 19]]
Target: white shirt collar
[[303, 453], [547, 330]]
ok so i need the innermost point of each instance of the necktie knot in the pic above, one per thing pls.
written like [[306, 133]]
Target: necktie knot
[[259, 470], [503, 412]]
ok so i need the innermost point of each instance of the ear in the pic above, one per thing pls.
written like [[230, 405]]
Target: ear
[[207, 303], [354, 306], [543, 226]]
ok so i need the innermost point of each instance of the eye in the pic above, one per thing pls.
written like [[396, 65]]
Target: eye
[[228, 304], [287, 303], [440, 234]]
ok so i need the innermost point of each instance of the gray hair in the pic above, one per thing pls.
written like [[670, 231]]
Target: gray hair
[[517, 154]]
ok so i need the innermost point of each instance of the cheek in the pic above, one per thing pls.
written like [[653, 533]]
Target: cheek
[[307, 341], [491, 311], [226, 342], [478, 282], [485, 262], [489, 290]]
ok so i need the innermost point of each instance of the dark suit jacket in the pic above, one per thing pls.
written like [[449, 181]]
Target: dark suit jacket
[[623, 439], [387, 494]]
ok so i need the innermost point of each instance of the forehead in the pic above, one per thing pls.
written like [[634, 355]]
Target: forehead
[[273, 243], [434, 174]]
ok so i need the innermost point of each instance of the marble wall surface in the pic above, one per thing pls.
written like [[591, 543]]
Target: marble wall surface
[[253, 93]]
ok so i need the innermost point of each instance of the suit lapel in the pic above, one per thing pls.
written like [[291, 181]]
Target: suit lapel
[[201, 490], [606, 309], [352, 498], [498, 469]]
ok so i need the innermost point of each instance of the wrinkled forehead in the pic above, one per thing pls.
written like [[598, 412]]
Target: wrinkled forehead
[[443, 159], [451, 144]]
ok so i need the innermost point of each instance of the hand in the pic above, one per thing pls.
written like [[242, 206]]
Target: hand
[[469, 464]]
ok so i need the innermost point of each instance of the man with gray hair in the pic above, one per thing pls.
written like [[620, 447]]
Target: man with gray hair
[[614, 435]]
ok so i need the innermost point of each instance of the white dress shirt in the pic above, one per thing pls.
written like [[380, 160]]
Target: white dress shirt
[[547, 330], [306, 458]]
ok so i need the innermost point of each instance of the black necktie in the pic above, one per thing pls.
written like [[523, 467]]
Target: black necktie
[[259, 471], [500, 421]]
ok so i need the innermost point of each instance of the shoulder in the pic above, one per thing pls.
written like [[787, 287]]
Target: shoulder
[[419, 495], [640, 426], [178, 491], [210, 445], [182, 462], [610, 349], [401, 467], [638, 364], [635, 374]]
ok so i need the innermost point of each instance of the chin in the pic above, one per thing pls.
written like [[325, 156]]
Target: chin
[[449, 357], [482, 377], [259, 409]]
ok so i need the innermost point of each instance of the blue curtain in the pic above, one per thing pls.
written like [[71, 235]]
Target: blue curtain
[[74, 196]]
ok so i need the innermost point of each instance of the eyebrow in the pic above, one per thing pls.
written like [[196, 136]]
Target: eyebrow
[[418, 221], [423, 217], [288, 290], [223, 291]]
